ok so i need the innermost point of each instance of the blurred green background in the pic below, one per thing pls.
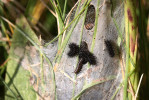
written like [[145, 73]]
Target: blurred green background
[[40, 18]]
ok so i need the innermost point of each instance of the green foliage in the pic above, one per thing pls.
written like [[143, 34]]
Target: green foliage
[[38, 20], [16, 75]]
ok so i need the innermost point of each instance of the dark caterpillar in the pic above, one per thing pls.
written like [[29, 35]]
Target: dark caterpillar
[[74, 50], [110, 48], [79, 66], [84, 55]]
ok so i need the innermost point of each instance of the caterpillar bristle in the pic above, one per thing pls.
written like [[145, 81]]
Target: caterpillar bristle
[[110, 48], [74, 50]]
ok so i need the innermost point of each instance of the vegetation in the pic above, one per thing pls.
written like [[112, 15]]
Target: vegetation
[[40, 23]]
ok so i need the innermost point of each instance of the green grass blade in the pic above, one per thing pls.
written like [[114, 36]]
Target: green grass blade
[[64, 10], [118, 88], [8, 87], [120, 35], [95, 28], [36, 46], [127, 66], [59, 7], [69, 33], [93, 84], [121, 84], [68, 24]]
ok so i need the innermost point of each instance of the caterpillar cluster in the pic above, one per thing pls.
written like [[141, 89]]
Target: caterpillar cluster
[[84, 55]]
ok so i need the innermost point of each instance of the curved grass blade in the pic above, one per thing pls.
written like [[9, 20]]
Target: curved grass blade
[[121, 84], [93, 84], [36, 46]]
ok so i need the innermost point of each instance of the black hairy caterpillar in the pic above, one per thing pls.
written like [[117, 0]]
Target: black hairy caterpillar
[[74, 50], [79, 66], [84, 55], [110, 48]]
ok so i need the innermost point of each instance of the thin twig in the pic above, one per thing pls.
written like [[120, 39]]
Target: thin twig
[[52, 12], [5, 62], [65, 74], [131, 89], [68, 15], [33, 65], [138, 87], [122, 68]]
